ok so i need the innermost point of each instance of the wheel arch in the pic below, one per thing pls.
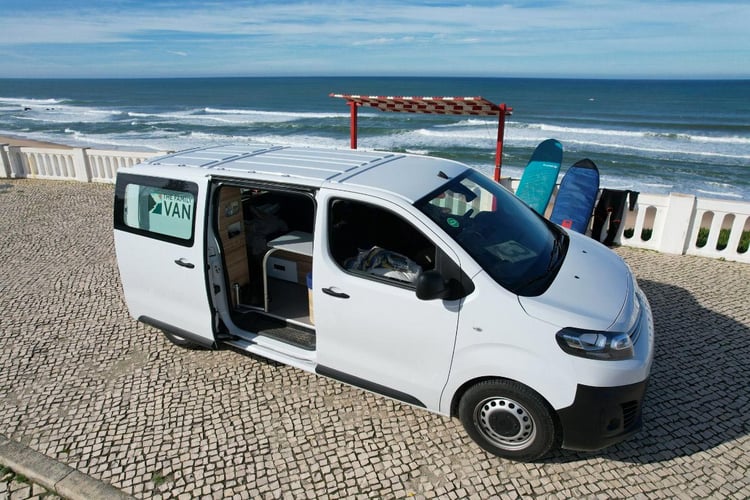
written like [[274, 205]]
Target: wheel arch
[[470, 383], [178, 336], [453, 410], [554, 383]]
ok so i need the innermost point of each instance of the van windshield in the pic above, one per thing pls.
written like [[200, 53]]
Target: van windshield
[[518, 248]]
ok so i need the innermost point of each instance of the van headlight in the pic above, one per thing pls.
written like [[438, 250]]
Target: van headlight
[[610, 346]]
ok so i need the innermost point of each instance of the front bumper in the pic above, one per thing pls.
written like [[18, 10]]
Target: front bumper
[[602, 416]]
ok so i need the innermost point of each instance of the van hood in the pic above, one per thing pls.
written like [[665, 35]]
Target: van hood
[[590, 291]]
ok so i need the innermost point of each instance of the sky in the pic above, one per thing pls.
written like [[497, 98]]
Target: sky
[[538, 38]]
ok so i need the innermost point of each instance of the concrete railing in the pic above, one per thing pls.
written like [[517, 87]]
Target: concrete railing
[[719, 216], [684, 224], [673, 223], [681, 224], [644, 226], [79, 164]]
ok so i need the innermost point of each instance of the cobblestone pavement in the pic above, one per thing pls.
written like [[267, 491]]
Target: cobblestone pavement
[[84, 384]]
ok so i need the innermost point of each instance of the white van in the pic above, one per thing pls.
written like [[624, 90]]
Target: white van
[[413, 277]]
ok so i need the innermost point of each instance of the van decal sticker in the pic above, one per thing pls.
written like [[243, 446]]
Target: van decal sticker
[[180, 207]]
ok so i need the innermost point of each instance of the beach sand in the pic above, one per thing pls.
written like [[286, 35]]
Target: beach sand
[[29, 143]]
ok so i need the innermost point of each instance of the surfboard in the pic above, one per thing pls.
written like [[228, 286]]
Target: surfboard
[[540, 175], [575, 199]]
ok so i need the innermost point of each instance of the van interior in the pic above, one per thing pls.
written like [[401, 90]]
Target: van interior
[[265, 237]]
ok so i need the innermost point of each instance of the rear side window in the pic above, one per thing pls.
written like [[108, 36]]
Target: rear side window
[[163, 209]]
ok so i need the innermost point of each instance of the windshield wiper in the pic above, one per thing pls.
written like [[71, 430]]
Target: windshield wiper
[[555, 257], [555, 254]]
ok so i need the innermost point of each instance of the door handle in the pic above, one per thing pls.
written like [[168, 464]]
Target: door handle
[[334, 293], [182, 262]]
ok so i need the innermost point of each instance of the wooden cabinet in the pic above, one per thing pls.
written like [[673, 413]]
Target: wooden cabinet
[[233, 242]]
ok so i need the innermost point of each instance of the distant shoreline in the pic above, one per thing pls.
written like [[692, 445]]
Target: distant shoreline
[[30, 143]]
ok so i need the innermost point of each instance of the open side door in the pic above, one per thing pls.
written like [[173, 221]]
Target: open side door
[[373, 331], [159, 241]]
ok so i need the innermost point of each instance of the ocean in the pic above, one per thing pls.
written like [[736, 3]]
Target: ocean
[[652, 136]]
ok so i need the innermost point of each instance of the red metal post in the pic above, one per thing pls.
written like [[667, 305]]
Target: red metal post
[[353, 124], [500, 135]]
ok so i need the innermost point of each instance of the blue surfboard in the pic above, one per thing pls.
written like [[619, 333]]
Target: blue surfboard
[[575, 200], [540, 175]]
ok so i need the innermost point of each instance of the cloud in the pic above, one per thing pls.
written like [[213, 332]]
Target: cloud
[[377, 22], [374, 41], [312, 34]]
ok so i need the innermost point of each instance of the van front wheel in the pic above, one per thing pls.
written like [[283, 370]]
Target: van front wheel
[[508, 420]]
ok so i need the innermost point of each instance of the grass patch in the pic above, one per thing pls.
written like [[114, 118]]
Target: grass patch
[[9, 475], [646, 233], [702, 239], [723, 240], [158, 478]]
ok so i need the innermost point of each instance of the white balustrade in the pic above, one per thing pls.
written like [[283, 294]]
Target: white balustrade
[[674, 223], [82, 164], [643, 226], [719, 216], [104, 164]]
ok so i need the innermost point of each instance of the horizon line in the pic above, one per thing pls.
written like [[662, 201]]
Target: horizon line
[[479, 77]]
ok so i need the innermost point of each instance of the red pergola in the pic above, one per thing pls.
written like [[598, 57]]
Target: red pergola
[[477, 106]]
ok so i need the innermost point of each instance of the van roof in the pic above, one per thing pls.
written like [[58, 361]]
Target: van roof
[[409, 176]]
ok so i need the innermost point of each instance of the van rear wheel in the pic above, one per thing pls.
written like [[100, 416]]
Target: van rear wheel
[[509, 420], [181, 341]]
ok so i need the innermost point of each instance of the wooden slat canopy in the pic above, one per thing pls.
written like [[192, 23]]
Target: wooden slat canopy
[[476, 106]]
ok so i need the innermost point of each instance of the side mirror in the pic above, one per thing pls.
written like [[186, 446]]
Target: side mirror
[[431, 285]]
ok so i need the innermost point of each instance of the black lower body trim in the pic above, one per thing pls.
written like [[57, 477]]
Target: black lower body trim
[[602, 416], [202, 341], [368, 386]]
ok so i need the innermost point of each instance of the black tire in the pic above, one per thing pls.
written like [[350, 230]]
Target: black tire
[[509, 420], [181, 341]]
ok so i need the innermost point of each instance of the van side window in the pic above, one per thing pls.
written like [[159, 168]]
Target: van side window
[[159, 208], [368, 240]]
